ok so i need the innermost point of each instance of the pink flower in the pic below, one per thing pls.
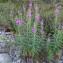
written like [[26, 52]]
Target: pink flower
[[33, 30], [37, 18], [30, 4], [19, 21], [30, 9]]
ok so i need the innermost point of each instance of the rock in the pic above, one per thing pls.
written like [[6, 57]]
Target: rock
[[5, 58], [14, 51]]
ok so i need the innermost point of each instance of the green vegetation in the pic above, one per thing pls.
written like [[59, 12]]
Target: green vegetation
[[33, 42]]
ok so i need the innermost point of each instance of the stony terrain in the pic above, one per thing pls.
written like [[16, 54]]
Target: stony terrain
[[10, 54]]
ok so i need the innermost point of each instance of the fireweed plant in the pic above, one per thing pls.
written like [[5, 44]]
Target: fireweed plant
[[27, 36], [28, 27], [30, 36]]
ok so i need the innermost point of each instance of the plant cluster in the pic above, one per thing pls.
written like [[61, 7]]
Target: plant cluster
[[36, 30]]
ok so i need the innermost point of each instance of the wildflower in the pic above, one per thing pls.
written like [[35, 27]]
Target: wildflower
[[30, 9], [33, 29], [29, 13], [19, 21], [37, 18], [30, 4]]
